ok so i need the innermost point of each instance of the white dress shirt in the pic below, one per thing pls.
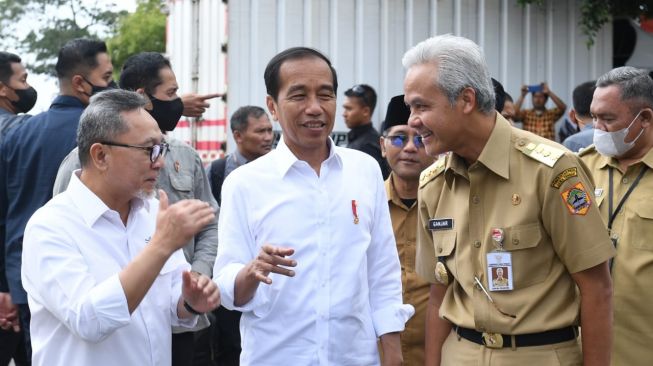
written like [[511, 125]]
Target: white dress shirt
[[347, 288], [73, 250]]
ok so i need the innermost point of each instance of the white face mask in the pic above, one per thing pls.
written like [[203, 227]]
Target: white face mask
[[613, 144]]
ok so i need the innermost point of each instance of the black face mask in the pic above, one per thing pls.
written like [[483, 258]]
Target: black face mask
[[26, 99], [98, 89], [166, 112]]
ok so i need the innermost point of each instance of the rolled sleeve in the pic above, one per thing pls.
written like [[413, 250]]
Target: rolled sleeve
[[389, 314]]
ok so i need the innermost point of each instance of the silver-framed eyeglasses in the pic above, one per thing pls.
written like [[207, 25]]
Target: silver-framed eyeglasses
[[155, 150]]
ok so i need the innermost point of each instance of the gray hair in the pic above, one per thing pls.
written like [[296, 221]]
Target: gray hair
[[635, 84], [102, 120], [240, 119], [460, 64]]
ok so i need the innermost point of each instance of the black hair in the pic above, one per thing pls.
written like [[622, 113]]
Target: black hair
[[240, 119], [78, 56], [271, 74], [367, 95], [142, 71], [582, 98], [6, 59]]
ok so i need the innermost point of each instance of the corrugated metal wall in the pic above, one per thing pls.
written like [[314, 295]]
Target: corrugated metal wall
[[366, 39]]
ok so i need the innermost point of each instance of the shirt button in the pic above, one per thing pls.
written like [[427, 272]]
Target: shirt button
[[439, 249], [476, 200], [515, 241], [477, 243], [624, 181]]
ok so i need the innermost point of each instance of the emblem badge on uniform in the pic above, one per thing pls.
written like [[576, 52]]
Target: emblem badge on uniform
[[441, 273], [576, 199]]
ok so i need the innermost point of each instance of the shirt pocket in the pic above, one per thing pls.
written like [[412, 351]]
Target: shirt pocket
[[531, 261], [640, 231], [444, 243], [182, 184]]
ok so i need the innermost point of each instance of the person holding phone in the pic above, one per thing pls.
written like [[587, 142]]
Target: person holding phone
[[539, 120]]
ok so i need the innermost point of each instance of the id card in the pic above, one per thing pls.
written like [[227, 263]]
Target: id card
[[499, 271]]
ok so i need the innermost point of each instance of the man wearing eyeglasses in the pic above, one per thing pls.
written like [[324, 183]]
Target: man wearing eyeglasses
[[31, 153], [183, 176], [360, 101], [102, 264], [407, 158]]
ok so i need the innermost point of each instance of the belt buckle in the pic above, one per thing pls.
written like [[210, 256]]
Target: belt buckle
[[492, 340]]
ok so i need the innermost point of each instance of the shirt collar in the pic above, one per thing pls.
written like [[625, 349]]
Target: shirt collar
[[392, 192], [239, 158], [285, 158], [607, 161], [67, 101], [90, 204], [5, 112], [495, 154]]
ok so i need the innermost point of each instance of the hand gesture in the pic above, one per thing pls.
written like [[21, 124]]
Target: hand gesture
[[196, 104], [176, 224], [200, 292], [8, 313], [524, 90], [545, 88], [270, 259]]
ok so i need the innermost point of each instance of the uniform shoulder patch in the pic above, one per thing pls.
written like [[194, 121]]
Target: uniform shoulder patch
[[545, 154], [432, 171], [577, 199], [562, 177]]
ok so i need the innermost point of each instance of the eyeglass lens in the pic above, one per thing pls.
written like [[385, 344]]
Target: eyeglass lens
[[401, 141]]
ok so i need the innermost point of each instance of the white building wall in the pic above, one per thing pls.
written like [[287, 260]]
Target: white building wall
[[366, 39]]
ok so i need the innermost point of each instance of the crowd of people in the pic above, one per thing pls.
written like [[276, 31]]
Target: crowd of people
[[450, 236]]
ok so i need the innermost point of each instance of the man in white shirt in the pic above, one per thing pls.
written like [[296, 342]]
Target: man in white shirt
[[101, 262], [322, 211]]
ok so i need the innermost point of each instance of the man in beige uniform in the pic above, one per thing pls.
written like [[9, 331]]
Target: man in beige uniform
[[402, 147], [503, 198], [622, 108]]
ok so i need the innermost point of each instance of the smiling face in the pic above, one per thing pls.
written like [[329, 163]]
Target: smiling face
[[406, 162], [431, 113], [305, 105]]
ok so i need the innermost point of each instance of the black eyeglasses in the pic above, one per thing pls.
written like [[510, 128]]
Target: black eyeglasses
[[154, 150], [401, 140]]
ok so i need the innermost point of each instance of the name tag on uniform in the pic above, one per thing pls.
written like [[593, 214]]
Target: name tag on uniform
[[440, 224], [499, 271]]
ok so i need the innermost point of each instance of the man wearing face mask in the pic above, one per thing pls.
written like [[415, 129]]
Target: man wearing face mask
[[621, 161], [16, 95], [31, 153], [182, 176]]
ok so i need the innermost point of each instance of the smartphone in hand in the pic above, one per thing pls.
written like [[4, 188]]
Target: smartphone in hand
[[535, 88]]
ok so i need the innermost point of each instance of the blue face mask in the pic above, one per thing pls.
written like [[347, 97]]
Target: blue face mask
[[613, 144]]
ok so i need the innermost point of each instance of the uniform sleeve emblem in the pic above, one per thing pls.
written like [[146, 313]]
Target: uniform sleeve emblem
[[577, 200], [562, 177]]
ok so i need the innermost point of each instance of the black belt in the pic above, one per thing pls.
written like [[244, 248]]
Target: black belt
[[523, 340]]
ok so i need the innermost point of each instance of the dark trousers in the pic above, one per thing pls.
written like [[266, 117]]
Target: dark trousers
[[183, 349], [12, 346], [219, 344], [25, 316]]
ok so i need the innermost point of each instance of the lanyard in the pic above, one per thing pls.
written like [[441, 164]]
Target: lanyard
[[612, 215]]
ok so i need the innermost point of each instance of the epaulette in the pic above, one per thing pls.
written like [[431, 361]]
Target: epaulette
[[586, 150], [545, 154], [432, 171]]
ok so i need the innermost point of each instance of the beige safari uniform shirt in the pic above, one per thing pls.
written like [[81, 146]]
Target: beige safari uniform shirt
[[541, 196], [415, 291], [632, 271]]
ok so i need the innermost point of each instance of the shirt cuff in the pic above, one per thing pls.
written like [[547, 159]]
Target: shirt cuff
[[202, 267], [226, 280], [392, 318], [110, 304]]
